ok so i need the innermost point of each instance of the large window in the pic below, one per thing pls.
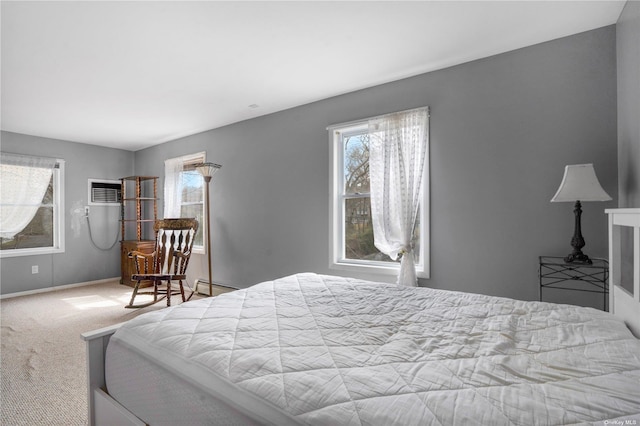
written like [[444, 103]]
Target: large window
[[352, 241], [189, 192], [44, 232]]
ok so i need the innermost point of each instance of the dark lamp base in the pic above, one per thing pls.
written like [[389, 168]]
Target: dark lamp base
[[577, 242], [578, 258]]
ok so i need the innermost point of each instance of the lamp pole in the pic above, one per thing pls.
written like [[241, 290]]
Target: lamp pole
[[207, 179], [207, 171]]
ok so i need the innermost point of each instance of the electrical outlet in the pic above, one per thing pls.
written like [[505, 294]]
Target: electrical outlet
[[34, 269], [86, 210]]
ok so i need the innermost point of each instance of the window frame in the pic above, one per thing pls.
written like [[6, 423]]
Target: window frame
[[337, 197], [188, 163], [58, 220]]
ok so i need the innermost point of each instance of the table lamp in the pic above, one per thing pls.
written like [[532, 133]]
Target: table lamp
[[579, 183]]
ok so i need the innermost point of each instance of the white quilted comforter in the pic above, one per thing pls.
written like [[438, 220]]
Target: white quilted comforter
[[327, 350]]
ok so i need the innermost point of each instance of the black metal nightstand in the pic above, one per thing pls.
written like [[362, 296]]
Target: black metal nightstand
[[554, 272]]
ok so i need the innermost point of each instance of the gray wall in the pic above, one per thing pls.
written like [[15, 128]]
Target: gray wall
[[81, 261], [502, 130], [628, 57], [628, 72]]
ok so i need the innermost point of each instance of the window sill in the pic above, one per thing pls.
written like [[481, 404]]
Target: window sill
[[379, 268], [30, 252]]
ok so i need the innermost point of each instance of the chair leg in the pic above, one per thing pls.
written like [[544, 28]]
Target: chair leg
[[182, 291], [193, 290], [135, 293], [169, 293]]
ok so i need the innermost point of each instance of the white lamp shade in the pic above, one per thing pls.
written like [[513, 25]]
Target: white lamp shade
[[580, 183], [207, 169]]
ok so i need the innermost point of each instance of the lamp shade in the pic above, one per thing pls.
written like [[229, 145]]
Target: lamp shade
[[207, 169], [580, 183]]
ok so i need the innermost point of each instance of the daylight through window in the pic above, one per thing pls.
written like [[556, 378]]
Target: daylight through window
[[31, 200], [352, 241], [189, 197]]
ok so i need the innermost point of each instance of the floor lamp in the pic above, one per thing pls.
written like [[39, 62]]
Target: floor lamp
[[207, 170]]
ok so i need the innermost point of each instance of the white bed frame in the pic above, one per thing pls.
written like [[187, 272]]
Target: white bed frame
[[622, 303], [104, 410]]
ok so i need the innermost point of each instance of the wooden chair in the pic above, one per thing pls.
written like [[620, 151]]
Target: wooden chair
[[168, 262]]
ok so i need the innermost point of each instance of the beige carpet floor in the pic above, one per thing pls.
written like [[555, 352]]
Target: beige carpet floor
[[42, 357]]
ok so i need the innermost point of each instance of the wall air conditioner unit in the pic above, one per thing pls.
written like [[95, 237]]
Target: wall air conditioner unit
[[104, 192]]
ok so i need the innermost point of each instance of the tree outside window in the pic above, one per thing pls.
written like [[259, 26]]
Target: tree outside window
[[192, 204], [352, 239], [358, 238], [44, 233], [184, 192]]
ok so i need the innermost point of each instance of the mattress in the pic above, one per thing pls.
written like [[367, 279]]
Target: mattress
[[325, 350]]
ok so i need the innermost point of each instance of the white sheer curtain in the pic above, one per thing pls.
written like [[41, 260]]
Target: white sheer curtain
[[399, 144], [23, 182], [172, 187]]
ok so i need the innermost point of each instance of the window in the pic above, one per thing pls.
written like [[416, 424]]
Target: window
[[185, 186], [352, 242], [44, 233]]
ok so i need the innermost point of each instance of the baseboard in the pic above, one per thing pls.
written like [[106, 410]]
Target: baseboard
[[56, 288]]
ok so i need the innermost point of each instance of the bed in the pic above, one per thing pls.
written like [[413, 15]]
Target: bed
[[319, 349]]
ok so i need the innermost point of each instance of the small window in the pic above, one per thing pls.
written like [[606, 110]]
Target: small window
[[44, 233], [189, 195], [192, 204], [352, 241]]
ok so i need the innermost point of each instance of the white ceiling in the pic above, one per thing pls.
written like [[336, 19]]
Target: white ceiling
[[134, 74]]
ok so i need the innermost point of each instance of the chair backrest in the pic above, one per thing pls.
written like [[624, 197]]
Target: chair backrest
[[174, 243]]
